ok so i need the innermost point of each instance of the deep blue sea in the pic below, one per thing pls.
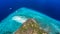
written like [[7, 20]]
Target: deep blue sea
[[50, 10], [48, 7]]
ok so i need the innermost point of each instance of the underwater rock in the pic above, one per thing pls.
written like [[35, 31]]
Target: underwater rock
[[30, 27]]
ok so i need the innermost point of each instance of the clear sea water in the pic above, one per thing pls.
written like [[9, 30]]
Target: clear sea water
[[9, 25]]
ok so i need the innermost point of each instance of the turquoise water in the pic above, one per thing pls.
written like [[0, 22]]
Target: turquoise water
[[11, 25]]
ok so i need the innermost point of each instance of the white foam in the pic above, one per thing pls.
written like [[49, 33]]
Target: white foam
[[19, 19]]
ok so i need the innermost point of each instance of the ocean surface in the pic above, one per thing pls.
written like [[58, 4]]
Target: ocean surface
[[48, 7], [15, 20]]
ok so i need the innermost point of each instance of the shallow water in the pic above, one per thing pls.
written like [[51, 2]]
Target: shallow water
[[11, 24]]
